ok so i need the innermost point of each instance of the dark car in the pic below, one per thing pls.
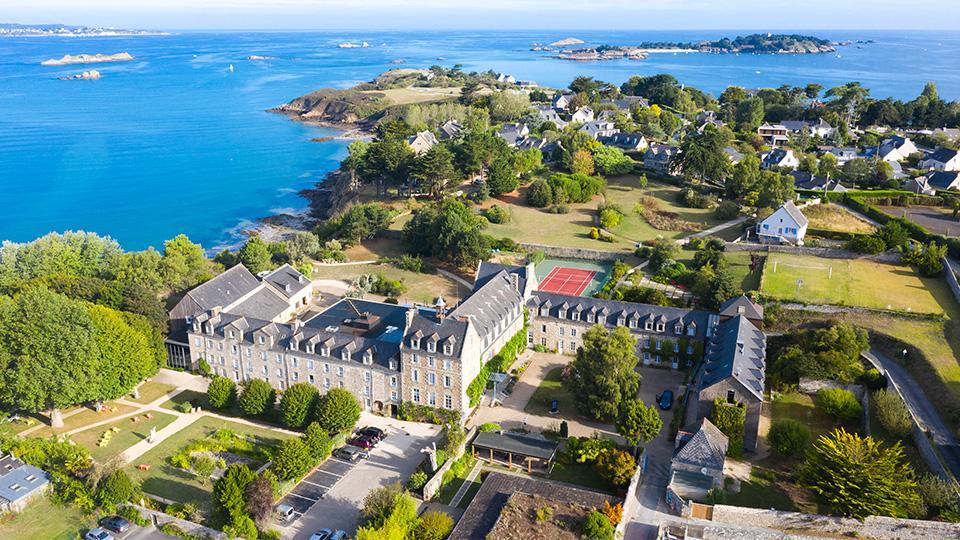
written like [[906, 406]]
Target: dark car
[[364, 441], [116, 524], [350, 453], [374, 432], [665, 400]]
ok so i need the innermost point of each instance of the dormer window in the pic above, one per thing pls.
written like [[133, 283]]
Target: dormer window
[[415, 343], [260, 340], [562, 314], [309, 348], [590, 317], [633, 323], [621, 321], [648, 326], [660, 327], [691, 330], [678, 329], [345, 355], [447, 349], [431, 346], [393, 364], [601, 319], [324, 351], [368, 357], [544, 311], [231, 334]]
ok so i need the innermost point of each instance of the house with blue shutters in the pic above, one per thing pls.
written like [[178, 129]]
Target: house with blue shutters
[[787, 225]]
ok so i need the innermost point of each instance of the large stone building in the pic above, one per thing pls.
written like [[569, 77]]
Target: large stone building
[[387, 354]]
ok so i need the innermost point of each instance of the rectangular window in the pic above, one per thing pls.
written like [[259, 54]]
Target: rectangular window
[[560, 329], [432, 399], [393, 395], [447, 364], [431, 378], [280, 373], [310, 365], [447, 381], [414, 358], [448, 401], [415, 375], [310, 378], [296, 376], [367, 377], [573, 332], [415, 395], [431, 361], [393, 382], [326, 383], [326, 368], [573, 345], [339, 371]]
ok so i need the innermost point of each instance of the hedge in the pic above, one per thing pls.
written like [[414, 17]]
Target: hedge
[[915, 231], [498, 364], [414, 412], [834, 235]]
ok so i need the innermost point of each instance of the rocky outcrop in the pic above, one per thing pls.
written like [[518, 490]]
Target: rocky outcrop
[[85, 76], [335, 107], [69, 59], [566, 42], [330, 196]]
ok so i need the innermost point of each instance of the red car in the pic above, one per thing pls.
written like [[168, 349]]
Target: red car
[[364, 441]]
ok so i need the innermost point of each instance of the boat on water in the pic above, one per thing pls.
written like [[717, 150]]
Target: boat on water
[[348, 45], [230, 69]]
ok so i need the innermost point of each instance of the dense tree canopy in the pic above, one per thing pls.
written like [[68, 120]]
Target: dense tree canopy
[[602, 377], [448, 230]]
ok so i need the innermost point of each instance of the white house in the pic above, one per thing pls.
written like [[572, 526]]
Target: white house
[[944, 180], [582, 115], [422, 142], [785, 226], [626, 141], [599, 128], [561, 101], [780, 157], [896, 148], [943, 159], [659, 157]]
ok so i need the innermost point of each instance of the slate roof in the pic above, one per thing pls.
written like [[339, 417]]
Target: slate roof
[[795, 213], [518, 444], [944, 179], [806, 180], [225, 289], [690, 484], [263, 304], [490, 304], [487, 270], [741, 305], [775, 157], [451, 129], [287, 280], [19, 480], [942, 155], [426, 325], [707, 448], [660, 152], [737, 350], [624, 140], [733, 154]]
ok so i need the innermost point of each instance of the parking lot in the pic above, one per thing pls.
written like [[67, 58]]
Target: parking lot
[[332, 495]]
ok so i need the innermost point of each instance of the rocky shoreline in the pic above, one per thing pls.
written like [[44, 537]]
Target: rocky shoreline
[[69, 59]]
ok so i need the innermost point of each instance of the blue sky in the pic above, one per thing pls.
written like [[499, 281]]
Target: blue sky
[[493, 14]]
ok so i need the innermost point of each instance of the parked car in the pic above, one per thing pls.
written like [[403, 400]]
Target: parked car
[[351, 453], [665, 400], [285, 513], [98, 534], [339, 535], [116, 524], [364, 441], [376, 432], [322, 534]]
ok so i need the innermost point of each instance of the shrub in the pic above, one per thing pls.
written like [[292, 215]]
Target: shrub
[[385, 286], [115, 488], [417, 481], [727, 210], [543, 513], [184, 407], [489, 426], [539, 194], [318, 442], [789, 437], [293, 459], [729, 419], [202, 466], [892, 413], [203, 367], [221, 392], [613, 512], [559, 209], [433, 525], [610, 217], [867, 243], [937, 493], [296, 404], [838, 403], [337, 411], [497, 214], [132, 515], [597, 527], [415, 412], [257, 398], [616, 466]]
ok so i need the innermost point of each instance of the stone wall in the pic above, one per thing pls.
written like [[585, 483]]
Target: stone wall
[[828, 253], [631, 500], [948, 270], [433, 485], [576, 253], [159, 518]]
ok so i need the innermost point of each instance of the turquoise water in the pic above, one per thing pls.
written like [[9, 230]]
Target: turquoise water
[[174, 142]]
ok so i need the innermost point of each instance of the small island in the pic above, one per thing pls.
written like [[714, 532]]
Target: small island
[[69, 59], [91, 75], [62, 30], [566, 42], [751, 44], [258, 58]]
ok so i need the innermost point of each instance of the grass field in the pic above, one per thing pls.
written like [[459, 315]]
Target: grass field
[[854, 282], [537, 226], [551, 388], [84, 417], [130, 433], [152, 390], [800, 407], [406, 96], [43, 519], [833, 217], [761, 491], [169, 482], [422, 288]]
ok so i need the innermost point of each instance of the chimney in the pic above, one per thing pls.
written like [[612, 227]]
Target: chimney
[[515, 281], [297, 325], [411, 312]]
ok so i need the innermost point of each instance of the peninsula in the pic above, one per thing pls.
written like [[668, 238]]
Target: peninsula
[[69, 59], [751, 44], [62, 30]]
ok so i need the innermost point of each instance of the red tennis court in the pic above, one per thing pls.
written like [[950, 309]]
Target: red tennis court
[[571, 281]]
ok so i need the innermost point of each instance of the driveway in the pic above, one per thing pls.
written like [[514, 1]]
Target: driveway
[[331, 496]]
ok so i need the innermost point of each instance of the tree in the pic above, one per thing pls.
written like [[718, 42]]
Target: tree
[[432, 525], [337, 411], [839, 403], [828, 166], [229, 491], [115, 488], [356, 155], [928, 259], [858, 476], [937, 493], [789, 437], [701, 157], [602, 376], [434, 170], [292, 459], [379, 504], [221, 392], [611, 160], [302, 245], [597, 527], [508, 106], [638, 422], [126, 355], [297, 403], [184, 263], [820, 353], [581, 162], [257, 397], [387, 161], [255, 255], [616, 466], [892, 413], [258, 500], [318, 441], [448, 230], [730, 419], [749, 114], [539, 195], [502, 177]]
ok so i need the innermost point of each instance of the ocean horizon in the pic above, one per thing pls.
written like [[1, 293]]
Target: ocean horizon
[[177, 142]]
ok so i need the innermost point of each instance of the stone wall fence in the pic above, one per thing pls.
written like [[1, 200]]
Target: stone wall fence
[[827, 253], [575, 253], [951, 278], [631, 501], [159, 519], [433, 485]]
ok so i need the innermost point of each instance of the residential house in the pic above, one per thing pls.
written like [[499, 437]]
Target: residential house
[[919, 185], [562, 101], [506, 78], [697, 465], [742, 305], [805, 180], [773, 134], [512, 133], [943, 180], [733, 155], [20, 483], [820, 128], [597, 129], [659, 157], [549, 114], [733, 371], [527, 143], [527, 84], [943, 159], [787, 225], [582, 115], [780, 157], [627, 103], [631, 142], [895, 148], [422, 142], [843, 155], [451, 129]]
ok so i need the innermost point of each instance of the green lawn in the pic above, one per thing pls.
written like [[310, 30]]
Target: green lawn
[[552, 388], [739, 264], [449, 489], [198, 399], [130, 433], [169, 482], [800, 407], [853, 282], [152, 390], [84, 417], [537, 226], [581, 474], [761, 492], [43, 519]]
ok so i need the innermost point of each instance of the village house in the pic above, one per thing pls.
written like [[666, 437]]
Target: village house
[[820, 128], [787, 225], [512, 133], [895, 148], [549, 114], [582, 115], [451, 129], [561, 101], [631, 142], [943, 180], [598, 129], [780, 157], [506, 78], [20, 483], [806, 180], [773, 134], [733, 155], [422, 142], [843, 155], [659, 157], [627, 103], [919, 185], [943, 159], [697, 465]]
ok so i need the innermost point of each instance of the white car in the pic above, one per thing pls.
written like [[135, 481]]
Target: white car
[[98, 534]]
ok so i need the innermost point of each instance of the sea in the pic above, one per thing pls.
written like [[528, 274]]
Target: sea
[[179, 140]]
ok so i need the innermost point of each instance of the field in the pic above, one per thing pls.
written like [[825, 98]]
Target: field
[[801, 407], [171, 483], [130, 433], [932, 218], [833, 217], [43, 519], [537, 226], [406, 96], [152, 390], [84, 417], [422, 288], [853, 282]]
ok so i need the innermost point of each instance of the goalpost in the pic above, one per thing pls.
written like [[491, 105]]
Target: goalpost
[[829, 269]]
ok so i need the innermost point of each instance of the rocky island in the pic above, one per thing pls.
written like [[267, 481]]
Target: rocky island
[[62, 30], [751, 44], [91, 75], [69, 59]]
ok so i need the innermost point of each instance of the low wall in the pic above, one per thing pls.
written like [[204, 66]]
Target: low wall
[[575, 253], [873, 527], [433, 485], [951, 278], [631, 501], [159, 519], [828, 253], [812, 386]]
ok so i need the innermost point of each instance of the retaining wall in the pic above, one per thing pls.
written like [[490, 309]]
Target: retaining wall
[[575, 253], [872, 527], [631, 501], [828, 253], [433, 485]]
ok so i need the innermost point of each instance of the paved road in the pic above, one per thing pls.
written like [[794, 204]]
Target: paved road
[[925, 410]]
